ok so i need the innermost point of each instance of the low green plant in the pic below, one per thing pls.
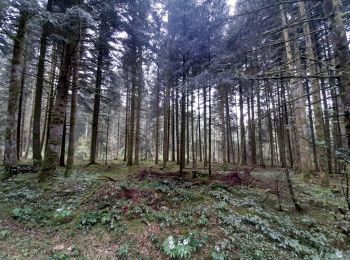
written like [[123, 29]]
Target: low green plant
[[181, 247], [122, 251], [22, 214]]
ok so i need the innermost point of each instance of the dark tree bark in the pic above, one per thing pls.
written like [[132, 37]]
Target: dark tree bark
[[39, 92], [10, 158]]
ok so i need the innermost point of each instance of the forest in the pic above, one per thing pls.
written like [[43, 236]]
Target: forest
[[175, 129]]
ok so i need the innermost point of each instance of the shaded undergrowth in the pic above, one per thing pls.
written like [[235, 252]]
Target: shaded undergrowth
[[153, 214]]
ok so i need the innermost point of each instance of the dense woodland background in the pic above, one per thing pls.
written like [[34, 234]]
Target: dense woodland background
[[184, 81], [175, 128]]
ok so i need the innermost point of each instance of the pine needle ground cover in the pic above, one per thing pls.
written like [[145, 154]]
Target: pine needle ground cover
[[117, 212]]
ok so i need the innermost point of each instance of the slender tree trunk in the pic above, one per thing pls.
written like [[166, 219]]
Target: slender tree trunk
[[194, 161], [157, 118], [132, 107], [73, 111], [63, 145], [260, 133], [199, 130], [20, 109], [39, 92], [166, 122], [97, 101], [210, 130], [138, 107], [242, 127], [10, 158], [205, 132]]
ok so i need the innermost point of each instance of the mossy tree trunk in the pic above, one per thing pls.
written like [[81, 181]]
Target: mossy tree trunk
[[49, 164]]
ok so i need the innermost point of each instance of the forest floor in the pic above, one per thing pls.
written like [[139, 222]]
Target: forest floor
[[145, 212]]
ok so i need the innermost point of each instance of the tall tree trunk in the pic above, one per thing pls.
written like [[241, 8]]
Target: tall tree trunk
[[10, 158], [166, 124], [97, 101], [223, 124], [39, 92], [242, 127], [157, 118], [205, 132], [51, 100], [20, 109], [199, 130], [210, 130], [342, 57], [73, 111], [132, 107], [194, 161], [299, 116], [138, 106], [316, 96], [49, 164], [260, 133]]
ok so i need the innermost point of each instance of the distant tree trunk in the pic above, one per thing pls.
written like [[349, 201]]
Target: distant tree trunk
[[210, 130], [183, 131], [223, 124], [173, 126], [228, 127], [107, 132], [166, 124], [63, 145], [132, 107], [118, 137], [10, 157], [194, 161], [199, 130], [29, 135], [73, 111], [253, 128], [205, 132], [342, 57], [127, 110], [312, 131], [138, 106], [177, 126], [20, 110], [39, 92], [49, 164], [183, 118], [187, 126], [97, 101], [157, 118], [242, 127], [269, 125], [260, 133]]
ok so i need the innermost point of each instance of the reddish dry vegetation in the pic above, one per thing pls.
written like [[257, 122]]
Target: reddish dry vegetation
[[111, 192]]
